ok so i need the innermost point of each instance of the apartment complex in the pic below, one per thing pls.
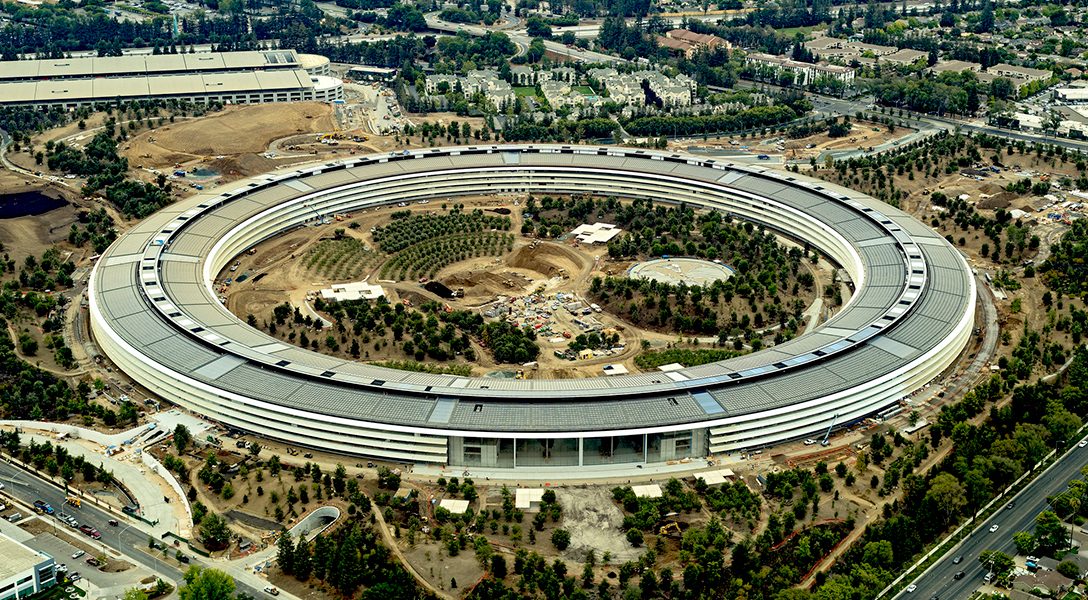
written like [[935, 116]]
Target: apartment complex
[[803, 73]]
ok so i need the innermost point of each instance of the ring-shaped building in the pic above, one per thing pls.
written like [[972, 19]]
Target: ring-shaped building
[[156, 315]]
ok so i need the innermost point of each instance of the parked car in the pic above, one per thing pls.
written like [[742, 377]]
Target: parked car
[[271, 590], [93, 561], [77, 554]]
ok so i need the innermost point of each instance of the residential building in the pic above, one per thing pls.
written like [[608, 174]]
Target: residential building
[[804, 73], [1025, 73], [689, 43], [957, 66], [906, 57]]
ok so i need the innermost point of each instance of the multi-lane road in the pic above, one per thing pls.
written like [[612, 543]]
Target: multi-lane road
[[127, 538], [938, 580]]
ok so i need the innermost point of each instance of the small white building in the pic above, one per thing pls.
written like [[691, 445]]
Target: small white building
[[716, 477], [457, 507], [360, 290], [597, 233], [528, 499], [647, 491]]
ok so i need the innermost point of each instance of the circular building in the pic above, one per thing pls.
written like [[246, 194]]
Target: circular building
[[681, 270], [154, 313]]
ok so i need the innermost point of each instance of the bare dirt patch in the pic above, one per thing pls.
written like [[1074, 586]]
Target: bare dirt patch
[[241, 129]]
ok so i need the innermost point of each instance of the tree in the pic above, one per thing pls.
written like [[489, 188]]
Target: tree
[[1025, 542], [214, 533], [182, 438], [948, 494], [1069, 569], [634, 536], [134, 594], [206, 584], [1049, 530], [561, 539], [996, 561], [285, 553]]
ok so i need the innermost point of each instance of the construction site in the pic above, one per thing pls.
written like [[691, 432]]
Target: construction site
[[539, 285]]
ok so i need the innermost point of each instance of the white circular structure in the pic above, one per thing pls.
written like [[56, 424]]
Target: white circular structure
[[681, 270], [155, 314]]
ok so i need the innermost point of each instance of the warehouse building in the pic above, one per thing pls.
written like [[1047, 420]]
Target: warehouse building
[[226, 77], [23, 571]]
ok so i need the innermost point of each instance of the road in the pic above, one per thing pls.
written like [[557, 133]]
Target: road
[[938, 581], [129, 538]]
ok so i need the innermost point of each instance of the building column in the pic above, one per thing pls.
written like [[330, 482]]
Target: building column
[[581, 452]]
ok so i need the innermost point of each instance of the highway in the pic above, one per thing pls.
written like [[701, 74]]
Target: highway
[[938, 582], [128, 538]]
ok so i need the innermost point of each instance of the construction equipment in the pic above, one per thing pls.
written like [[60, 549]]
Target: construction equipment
[[672, 528], [825, 442], [76, 502]]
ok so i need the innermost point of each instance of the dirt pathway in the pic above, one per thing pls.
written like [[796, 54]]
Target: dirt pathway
[[392, 543]]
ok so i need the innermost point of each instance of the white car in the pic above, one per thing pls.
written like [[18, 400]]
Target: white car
[[271, 590], [994, 527], [77, 554], [911, 588], [1082, 444], [810, 442]]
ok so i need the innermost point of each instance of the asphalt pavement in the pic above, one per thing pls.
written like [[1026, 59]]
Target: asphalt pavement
[[938, 581], [128, 538]]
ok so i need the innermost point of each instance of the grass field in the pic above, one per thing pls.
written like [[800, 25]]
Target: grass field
[[525, 91], [584, 90]]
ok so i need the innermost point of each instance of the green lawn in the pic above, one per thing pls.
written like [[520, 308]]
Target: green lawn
[[525, 91], [584, 90], [791, 31]]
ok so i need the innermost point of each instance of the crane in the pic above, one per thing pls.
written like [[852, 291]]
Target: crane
[[827, 435]]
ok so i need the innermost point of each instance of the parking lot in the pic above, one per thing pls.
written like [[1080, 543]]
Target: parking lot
[[122, 574]]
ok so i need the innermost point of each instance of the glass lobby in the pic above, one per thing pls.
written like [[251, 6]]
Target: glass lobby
[[573, 452]]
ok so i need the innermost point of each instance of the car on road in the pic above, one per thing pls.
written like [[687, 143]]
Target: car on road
[[112, 522], [93, 561], [1010, 505], [911, 588], [43, 506], [959, 575], [271, 590], [957, 560], [994, 527], [1082, 443], [77, 554]]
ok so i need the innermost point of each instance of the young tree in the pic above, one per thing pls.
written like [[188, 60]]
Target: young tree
[[561, 539], [182, 438]]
